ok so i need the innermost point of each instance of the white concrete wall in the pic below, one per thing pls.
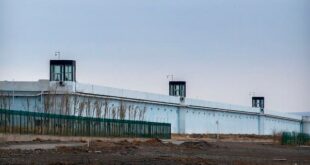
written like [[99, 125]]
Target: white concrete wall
[[306, 124], [204, 121], [276, 125], [192, 120], [191, 116]]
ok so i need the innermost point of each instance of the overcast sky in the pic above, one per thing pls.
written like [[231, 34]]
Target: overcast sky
[[224, 49]]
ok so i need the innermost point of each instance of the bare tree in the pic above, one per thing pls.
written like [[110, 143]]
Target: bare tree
[[106, 108], [113, 113], [129, 112], [122, 110], [28, 104], [76, 104], [48, 102], [62, 104], [88, 107], [1, 101], [142, 113], [67, 103], [98, 107], [55, 99], [117, 112], [8, 101], [81, 107], [5, 101], [135, 113], [35, 106]]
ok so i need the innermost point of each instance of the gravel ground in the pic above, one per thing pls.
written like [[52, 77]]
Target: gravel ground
[[153, 151]]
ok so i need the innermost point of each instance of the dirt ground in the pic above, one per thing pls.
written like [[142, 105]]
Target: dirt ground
[[179, 150]]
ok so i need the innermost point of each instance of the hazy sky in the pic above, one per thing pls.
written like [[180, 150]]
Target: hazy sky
[[224, 49]]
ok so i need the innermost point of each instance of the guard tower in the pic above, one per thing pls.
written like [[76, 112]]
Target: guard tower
[[62, 70], [177, 88], [258, 102]]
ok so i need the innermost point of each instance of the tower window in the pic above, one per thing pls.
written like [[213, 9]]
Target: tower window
[[56, 72], [62, 70], [68, 73], [177, 88], [258, 102]]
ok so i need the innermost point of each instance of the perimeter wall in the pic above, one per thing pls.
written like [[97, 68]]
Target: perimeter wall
[[187, 116]]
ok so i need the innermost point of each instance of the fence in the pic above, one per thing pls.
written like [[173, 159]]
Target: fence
[[23, 122], [295, 138]]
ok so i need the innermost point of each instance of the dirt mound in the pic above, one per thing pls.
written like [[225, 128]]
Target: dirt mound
[[197, 144], [153, 141], [136, 142], [62, 163], [37, 140], [66, 149], [123, 142], [186, 160], [196, 136]]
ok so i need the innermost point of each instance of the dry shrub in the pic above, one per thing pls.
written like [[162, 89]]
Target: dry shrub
[[277, 137], [71, 149], [136, 142], [61, 163], [154, 141], [83, 141], [196, 136], [197, 144], [123, 142], [37, 140]]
